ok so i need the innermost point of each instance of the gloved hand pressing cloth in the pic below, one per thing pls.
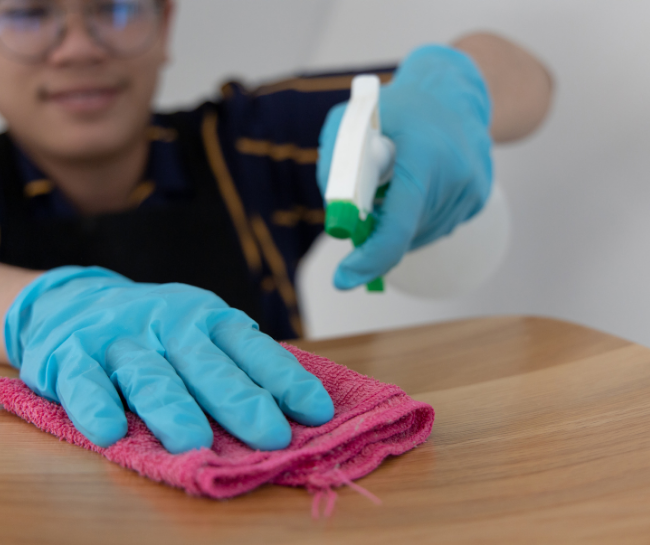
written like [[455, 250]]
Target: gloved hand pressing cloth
[[83, 336]]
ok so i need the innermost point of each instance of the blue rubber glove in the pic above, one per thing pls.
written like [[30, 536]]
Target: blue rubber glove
[[437, 112], [81, 336]]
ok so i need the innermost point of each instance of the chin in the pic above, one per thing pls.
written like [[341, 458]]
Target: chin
[[91, 144]]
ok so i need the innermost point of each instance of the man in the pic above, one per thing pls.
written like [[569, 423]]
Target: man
[[223, 198]]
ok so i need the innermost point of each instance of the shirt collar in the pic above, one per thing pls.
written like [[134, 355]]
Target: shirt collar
[[164, 179]]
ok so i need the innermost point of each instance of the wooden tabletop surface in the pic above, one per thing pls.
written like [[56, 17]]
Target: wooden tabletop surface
[[542, 435]]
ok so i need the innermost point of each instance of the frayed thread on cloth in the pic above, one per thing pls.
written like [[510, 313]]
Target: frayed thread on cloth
[[331, 496], [372, 420]]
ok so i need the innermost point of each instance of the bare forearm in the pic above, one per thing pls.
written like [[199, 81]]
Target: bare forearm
[[520, 86], [12, 281]]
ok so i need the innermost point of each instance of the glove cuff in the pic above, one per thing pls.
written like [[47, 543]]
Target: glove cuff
[[20, 311], [434, 62]]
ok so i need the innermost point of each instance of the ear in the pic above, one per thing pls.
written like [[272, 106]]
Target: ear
[[169, 13]]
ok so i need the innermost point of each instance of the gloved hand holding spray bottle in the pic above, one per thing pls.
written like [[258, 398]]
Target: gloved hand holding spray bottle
[[398, 187], [361, 168]]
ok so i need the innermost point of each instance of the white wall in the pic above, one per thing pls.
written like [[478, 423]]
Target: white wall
[[579, 189], [215, 40]]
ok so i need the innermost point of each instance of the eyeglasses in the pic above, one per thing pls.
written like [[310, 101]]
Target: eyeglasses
[[31, 29]]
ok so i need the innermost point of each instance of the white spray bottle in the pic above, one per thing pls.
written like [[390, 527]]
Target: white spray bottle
[[362, 166]]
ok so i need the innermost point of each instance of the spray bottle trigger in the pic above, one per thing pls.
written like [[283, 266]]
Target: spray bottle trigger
[[363, 231]]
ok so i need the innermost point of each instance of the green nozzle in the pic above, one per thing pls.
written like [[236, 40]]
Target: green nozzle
[[341, 219]]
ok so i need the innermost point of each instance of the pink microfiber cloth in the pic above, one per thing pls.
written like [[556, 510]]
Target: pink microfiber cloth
[[372, 421]]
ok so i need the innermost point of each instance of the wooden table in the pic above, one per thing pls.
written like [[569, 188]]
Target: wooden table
[[542, 435]]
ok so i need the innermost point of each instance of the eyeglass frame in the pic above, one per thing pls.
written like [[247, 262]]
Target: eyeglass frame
[[63, 13]]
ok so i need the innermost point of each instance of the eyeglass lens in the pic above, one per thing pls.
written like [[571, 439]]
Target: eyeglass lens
[[30, 29]]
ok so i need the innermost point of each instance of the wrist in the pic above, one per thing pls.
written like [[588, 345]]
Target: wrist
[[28, 288], [520, 85], [436, 67], [12, 281]]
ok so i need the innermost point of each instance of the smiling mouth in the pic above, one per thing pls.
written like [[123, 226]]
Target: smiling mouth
[[83, 100]]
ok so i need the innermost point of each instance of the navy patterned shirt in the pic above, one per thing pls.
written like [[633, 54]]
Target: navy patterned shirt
[[262, 148]]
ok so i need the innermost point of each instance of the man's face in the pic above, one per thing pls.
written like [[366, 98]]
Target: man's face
[[81, 102]]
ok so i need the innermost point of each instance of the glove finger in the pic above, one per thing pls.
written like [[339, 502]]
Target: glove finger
[[157, 394], [396, 226], [88, 396], [224, 391], [326, 143], [298, 393]]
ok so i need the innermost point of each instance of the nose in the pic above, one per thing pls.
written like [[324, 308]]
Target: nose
[[77, 46]]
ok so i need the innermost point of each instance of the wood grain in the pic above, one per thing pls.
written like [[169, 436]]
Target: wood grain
[[541, 436]]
